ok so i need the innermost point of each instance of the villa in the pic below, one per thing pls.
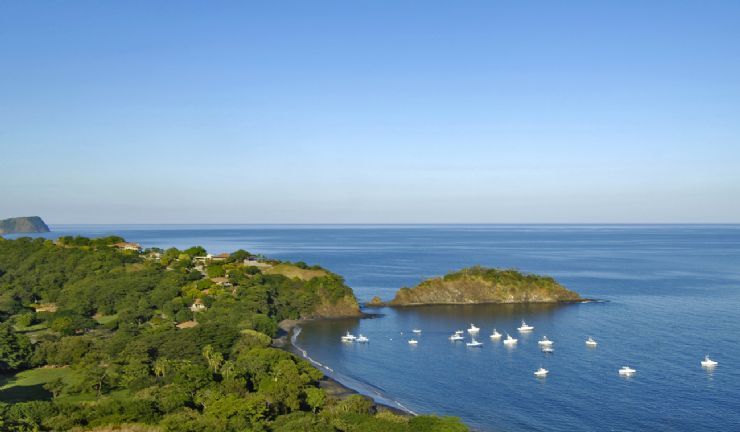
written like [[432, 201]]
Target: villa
[[127, 246]]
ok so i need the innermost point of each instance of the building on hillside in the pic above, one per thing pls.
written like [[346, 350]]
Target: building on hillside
[[127, 246], [220, 257], [211, 258], [198, 306]]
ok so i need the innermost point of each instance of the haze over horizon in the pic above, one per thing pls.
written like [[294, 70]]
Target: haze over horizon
[[370, 112]]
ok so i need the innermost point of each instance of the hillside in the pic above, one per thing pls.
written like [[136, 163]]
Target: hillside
[[94, 336], [30, 224], [483, 285]]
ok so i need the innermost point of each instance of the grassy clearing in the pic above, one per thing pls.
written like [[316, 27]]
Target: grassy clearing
[[29, 385], [292, 271], [32, 377], [105, 319], [30, 329]]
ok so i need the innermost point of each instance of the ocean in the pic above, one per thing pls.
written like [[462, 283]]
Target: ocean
[[669, 294]]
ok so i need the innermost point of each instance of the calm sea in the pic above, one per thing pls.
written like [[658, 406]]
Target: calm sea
[[672, 295]]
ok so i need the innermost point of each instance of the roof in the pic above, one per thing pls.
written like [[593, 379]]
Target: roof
[[127, 245], [222, 255]]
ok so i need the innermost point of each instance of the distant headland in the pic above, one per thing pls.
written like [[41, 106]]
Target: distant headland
[[29, 224], [483, 285]]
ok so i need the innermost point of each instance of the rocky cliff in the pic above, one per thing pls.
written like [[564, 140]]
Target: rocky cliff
[[483, 285], [30, 224], [345, 307]]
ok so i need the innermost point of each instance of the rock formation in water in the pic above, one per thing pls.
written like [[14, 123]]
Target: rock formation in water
[[30, 224], [482, 285]]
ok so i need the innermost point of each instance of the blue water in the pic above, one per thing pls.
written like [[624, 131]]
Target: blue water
[[672, 295]]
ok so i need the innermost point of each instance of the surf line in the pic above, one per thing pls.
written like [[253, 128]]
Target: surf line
[[293, 338]]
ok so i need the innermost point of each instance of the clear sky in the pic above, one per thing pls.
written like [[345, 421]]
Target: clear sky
[[370, 111]]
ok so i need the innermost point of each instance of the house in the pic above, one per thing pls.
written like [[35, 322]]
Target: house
[[127, 246], [221, 281], [198, 306], [220, 257], [211, 258]]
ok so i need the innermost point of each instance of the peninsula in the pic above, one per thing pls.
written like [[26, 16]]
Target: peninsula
[[102, 334], [29, 224], [485, 285]]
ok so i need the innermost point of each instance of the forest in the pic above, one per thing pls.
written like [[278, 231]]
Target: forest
[[94, 337]]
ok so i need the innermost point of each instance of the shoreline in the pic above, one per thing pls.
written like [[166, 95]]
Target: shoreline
[[332, 386]]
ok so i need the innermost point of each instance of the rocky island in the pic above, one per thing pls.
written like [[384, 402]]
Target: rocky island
[[485, 285], [29, 224]]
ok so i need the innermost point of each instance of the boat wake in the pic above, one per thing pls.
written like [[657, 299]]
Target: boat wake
[[361, 387]]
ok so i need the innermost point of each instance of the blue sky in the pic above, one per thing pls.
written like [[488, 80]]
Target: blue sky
[[370, 111]]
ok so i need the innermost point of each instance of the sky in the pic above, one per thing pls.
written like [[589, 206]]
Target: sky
[[370, 111]]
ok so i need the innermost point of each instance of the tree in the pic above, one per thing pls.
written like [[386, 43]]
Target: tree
[[228, 369], [315, 398], [215, 270], [195, 251], [213, 357], [15, 349], [161, 367]]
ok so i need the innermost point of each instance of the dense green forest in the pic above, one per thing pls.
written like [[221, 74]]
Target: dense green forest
[[167, 340]]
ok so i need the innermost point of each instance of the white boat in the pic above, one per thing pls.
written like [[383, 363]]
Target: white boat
[[413, 342], [473, 329], [495, 334], [509, 340], [591, 342], [417, 331], [474, 343], [545, 341], [626, 371], [349, 337], [548, 349], [362, 339], [707, 362], [541, 372], [457, 337], [525, 327]]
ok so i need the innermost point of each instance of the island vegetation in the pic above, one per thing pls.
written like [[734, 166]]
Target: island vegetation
[[29, 224], [484, 285], [98, 335]]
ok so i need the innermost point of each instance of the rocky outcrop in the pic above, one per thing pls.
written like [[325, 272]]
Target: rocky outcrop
[[345, 307], [30, 224], [481, 285]]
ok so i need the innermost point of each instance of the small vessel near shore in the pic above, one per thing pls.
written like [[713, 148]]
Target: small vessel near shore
[[474, 343], [591, 342], [473, 329], [510, 340], [525, 327], [349, 337], [413, 342], [708, 363], [417, 331], [363, 339], [495, 334], [545, 342], [626, 371], [541, 372]]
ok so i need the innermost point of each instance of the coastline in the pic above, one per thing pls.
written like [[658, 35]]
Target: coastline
[[331, 386]]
